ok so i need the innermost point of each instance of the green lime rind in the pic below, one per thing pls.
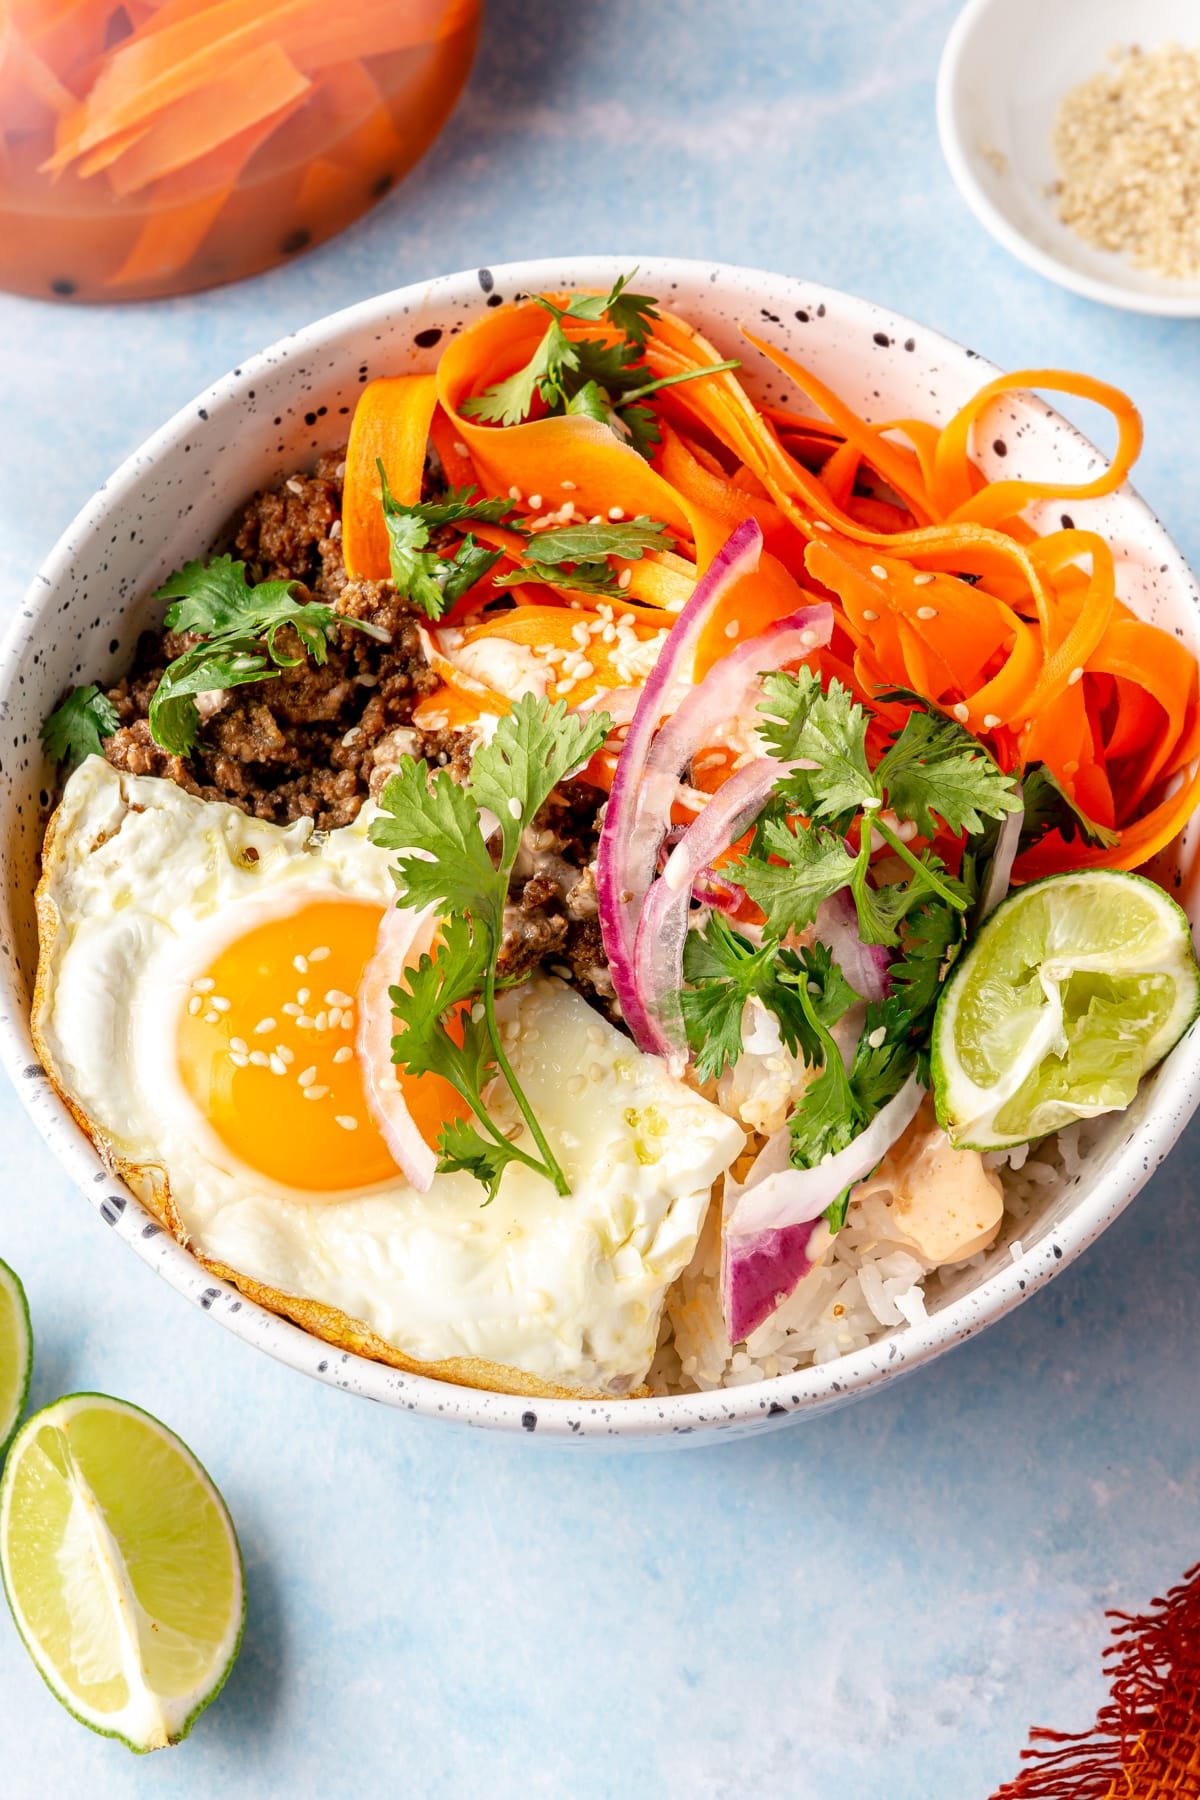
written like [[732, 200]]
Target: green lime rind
[[188, 1710], [1071, 992], [16, 1354]]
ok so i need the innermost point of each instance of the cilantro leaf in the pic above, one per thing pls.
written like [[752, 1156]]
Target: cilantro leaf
[[223, 663], [830, 994], [75, 728], [825, 726], [1048, 807], [725, 970], [534, 747], [585, 578], [444, 861], [240, 626], [465, 1150], [813, 863], [931, 940], [601, 380], [936, 769], [443, 857], [435, 582], [588, 543]]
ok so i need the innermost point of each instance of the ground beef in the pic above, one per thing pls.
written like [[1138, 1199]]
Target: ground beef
[[315, 741], [304, 745]]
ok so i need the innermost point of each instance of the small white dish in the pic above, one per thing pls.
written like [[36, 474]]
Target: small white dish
[[1006, 67]]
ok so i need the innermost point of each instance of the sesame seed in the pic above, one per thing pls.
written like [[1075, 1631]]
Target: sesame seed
[[922, 580], [315, 1093], [733, 627], [347, 1019], [343, 1055], [335, 997], [204, 984], [263, 1026], [514, 807], [319, 954], [961, 713], [1074, 676], [284, 1054], [460, 449], [259, 1058], [346, 1121], [303, 1022], [300, 964], [568, 487], [194, 1004], [335, 1017], [624, 578], [927, 612], [576, 1084], [322, 1021], [291, 1009], [304, 995], [877, 1037], [879, 572], [991, 721], [277, 1065], [212, 1018], [514, 493], [820, 525], [869, 616], [583, 670], [535, 502], [596, 1071], [220, 1003], [239, 1045], [238, 1060], [808, 639], [306, 1077]]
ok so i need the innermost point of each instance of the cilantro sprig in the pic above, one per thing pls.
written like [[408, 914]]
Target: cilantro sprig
[[576, 556], [76, 729], [240, 626], [446, 858], [433, 581], [609, 382], [933, 770]]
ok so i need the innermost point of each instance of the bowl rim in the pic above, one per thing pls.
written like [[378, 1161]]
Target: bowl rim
[[1164, 303], [777, 1398]]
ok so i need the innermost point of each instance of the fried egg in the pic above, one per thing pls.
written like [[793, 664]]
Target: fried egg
[[197, 1005]]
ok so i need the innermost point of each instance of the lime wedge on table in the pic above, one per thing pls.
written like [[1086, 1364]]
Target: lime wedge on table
[[122, 1568], [16, 1353], [1068, 994]]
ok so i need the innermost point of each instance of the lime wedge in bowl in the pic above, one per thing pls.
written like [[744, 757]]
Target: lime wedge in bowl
[[16, 1353], [122, 1568], [1071, 991]]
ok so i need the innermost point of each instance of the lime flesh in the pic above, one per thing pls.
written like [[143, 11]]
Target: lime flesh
[[1072, 990], [122, 1568], [16, 1353]]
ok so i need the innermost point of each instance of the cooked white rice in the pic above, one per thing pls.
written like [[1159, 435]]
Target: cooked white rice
[[861, 1288]]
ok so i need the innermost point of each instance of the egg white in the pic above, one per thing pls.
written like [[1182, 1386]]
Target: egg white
[[141, 882]]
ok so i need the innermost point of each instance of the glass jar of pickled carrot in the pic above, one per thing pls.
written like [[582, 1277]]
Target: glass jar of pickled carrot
[[152, 147]]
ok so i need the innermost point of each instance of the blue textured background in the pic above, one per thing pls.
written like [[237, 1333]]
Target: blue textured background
[[875, 1603]]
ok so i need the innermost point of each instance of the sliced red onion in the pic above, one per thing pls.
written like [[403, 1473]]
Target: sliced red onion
[[865, 966], [648, 773], [709, 888], [658, 950], [629, 840], [999, 875], [401, 931], [767, 1231]]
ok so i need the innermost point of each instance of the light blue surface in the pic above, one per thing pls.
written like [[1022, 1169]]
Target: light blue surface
[[873, 1603]]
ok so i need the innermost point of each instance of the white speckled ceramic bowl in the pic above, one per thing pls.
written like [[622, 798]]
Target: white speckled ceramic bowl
[[82, 615]]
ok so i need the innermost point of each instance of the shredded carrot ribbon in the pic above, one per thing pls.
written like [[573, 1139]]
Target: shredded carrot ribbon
[[940, 583]]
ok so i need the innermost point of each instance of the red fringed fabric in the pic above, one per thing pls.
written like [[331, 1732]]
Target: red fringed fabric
[[1145, 1743]]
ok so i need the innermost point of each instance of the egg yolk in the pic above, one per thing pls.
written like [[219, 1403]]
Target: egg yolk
[[267, 1051]]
